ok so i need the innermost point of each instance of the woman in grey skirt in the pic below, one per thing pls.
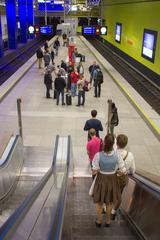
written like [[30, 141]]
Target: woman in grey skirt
[[106, 190]]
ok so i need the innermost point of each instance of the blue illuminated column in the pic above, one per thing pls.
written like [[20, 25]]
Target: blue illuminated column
[[11, 23], [30, 15], [22, 12], [1, 40]]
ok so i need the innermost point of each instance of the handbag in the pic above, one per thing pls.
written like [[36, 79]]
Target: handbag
[[123, 179], [92, 187]]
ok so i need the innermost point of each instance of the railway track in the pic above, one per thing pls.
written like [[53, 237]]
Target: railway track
[[145, 88], [14, 63]]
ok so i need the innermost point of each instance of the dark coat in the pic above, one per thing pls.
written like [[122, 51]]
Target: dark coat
[[48, 79], [39, 53], [59, 83]]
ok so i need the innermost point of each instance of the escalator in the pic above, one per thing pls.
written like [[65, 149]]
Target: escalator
[[59, 207], [81, 213], [19, 177]]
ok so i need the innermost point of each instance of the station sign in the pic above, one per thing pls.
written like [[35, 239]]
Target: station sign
[[94, 30], [46, 30]]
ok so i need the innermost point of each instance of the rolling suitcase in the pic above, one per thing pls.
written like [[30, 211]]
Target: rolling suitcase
[[68, 99]]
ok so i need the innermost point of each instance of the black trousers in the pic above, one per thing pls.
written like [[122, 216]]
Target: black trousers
[[97, 90], [81, 94], [48, 91], [58, 95]]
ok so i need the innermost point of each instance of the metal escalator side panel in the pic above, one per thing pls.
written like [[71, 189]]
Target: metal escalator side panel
[[14, 222], [11, 168], [142, 208]]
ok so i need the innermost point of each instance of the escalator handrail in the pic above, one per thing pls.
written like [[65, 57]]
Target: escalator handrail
[[56, 227], [16, 217], [146, 182], [10, 151]]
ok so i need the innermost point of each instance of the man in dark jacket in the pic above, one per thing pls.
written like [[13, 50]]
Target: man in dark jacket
[[39, 54], [59, 85], [93, 123], [48, 82]]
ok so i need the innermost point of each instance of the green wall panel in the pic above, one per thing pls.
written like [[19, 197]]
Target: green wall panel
[[134, 18]]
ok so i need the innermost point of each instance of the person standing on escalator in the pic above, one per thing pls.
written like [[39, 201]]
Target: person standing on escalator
[[106, 188]]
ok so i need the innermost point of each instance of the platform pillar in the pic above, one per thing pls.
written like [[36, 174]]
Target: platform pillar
[[22, 13], [30, 11], [11, 23], [1, 40]]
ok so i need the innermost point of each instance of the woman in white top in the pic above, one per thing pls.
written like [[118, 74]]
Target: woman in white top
[[129, 162], [106, 189]]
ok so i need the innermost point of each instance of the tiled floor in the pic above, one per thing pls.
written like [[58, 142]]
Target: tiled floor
[[42, 119]]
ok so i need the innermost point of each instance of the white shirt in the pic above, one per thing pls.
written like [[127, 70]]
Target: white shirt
[[120, 165], [129, 161]]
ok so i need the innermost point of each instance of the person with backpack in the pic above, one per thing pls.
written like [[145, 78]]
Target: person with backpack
[[114, 120], [98, 80], [39, 54], [91, 70]]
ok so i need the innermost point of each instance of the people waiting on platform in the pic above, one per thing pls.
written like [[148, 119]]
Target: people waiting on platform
[[106, 188], [46, 46], [59, 85], [52, 55], [64, 36], [74, 79], [93, 146], [93, 123], [63, 65], [76, 54], [39, 54], [113, 118], [61, 71], [46, 58], [56, 46], [80, 68], [91, 70], [81, 92], [98, 80], [48, 82], [128, 158]]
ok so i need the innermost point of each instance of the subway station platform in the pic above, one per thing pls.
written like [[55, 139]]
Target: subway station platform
[[43, 119]]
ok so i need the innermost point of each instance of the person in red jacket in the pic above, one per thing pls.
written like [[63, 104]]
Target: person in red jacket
[[74, 80]]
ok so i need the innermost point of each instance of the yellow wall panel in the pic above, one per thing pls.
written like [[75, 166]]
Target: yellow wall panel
[[134, 18]]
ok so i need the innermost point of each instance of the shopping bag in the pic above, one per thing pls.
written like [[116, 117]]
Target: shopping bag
[[92, 187]]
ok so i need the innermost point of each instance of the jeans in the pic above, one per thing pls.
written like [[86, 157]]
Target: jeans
[[97, 90], [58, 95], [81, 94], [73, 89]]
